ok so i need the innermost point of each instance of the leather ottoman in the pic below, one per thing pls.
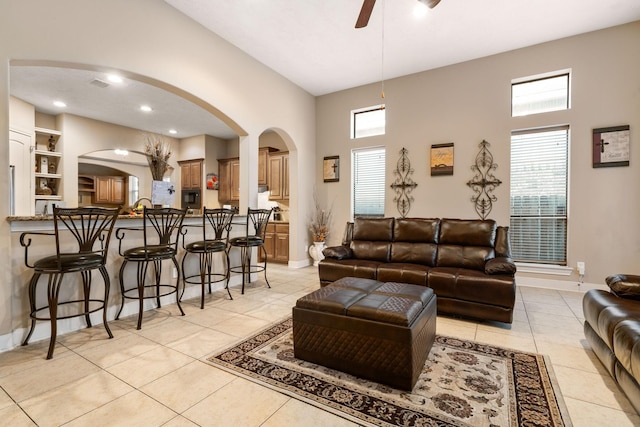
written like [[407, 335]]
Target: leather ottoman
[[374, 330]]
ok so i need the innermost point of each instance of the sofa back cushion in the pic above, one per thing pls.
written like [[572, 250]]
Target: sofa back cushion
[[372, 238], [373, 229], [414, 241], [468, 232], [472, 257], [466, 243], [422, 230]]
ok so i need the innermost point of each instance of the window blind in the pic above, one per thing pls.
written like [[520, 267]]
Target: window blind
[[368, 182], [539, 195]]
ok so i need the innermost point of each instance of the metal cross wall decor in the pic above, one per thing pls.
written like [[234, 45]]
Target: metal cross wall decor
[[483, 182], [403, 185]]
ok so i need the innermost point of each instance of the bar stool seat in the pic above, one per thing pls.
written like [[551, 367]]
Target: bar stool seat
[[255, 235], [219, 222], [166, 223], [91, 229]]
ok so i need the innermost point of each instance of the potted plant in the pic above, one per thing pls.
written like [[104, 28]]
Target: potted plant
[[319, 227]]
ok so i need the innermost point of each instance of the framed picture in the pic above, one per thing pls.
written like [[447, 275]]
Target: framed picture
[[213, 183], [331, 169], [611, 146], [442, 159]]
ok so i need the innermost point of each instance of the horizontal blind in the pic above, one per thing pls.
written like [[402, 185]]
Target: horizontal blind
[[368, 182], [539, 195]]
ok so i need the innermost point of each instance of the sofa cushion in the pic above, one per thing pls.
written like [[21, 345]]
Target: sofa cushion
[[423, 230], [416, 253], [331, 269], [624, 286], [374, 251], [500, 265], [337, 252], [473, 257], [468, 232], [373, 229], [415, 274], [626, 345]]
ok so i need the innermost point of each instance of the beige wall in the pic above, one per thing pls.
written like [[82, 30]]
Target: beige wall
[[469, 102], [149, 40]]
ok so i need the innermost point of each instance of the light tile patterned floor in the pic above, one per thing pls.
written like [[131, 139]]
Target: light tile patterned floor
[[156, 377]]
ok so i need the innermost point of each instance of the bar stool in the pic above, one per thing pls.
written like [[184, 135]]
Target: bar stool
[[166, 223], [88, 226], [220, 222], [256, 229]]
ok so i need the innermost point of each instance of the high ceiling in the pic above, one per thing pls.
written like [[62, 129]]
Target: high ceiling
[[314, 44]]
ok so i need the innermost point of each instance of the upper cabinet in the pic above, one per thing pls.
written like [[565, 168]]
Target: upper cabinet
[[229, 174], [48, 179], [263, 169], [109, 190], [279, 175], [191, 174]]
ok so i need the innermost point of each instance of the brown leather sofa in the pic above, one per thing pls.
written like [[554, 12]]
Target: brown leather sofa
[[612, 328], [467, 263]]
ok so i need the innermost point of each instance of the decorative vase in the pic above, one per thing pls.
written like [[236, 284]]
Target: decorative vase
[[315, 251]]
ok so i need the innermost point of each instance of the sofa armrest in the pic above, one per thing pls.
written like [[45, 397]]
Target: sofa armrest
[[624, 285], [338, 252], [500, 265]]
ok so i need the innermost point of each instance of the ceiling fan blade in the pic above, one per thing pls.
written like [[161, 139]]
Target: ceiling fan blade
[[430, 3], [365, 13]]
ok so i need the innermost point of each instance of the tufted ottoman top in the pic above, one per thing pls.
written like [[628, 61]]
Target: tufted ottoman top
[[393, 303]]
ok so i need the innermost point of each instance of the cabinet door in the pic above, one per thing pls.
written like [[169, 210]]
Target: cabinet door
[[224, 189], [185, 175], [235, 179], [285, 176], [103, 189], [196, 175], [263, 155], [275, 176], [282, 247], [117, 190]]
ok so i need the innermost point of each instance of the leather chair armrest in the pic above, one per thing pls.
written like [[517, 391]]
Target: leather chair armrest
[[338, 252], [500, 265]]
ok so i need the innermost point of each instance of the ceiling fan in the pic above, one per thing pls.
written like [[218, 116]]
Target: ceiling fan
[[367, 8]]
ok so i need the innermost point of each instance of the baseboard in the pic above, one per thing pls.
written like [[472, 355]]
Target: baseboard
[[558, 285]]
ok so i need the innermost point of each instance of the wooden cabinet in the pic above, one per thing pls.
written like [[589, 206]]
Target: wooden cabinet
[[48, 176], [109, 190], [279, 175], [229, 174], [191, 174], [277, 242]]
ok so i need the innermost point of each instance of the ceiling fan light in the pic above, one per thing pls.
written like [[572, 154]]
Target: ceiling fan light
[[430, 3]]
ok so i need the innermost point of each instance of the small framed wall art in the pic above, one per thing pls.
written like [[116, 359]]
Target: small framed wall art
[[331, 169], [611, 146], [442, 159]]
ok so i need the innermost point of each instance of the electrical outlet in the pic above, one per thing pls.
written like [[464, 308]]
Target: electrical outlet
[[175, 273], [581, 268]]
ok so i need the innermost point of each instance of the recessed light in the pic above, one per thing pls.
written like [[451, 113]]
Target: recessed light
[[145, 108], [173, 131], [114, 78], [121, 152], [59, 104]]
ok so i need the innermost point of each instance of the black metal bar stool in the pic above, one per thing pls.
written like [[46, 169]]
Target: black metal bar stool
[[166, 223], [91, 228], [220, 222], [256, 229]]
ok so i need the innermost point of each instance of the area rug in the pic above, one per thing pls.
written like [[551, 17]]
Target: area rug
[[463, 383]]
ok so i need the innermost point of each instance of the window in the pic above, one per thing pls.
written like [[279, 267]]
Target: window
[[540, 95], [368, 121], [368, 182], [539, 195]]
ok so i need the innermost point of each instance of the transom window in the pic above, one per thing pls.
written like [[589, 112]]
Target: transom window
[[368, 121], [540, 94]]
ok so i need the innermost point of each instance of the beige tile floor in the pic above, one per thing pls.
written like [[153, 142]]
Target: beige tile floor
[[157, 377]]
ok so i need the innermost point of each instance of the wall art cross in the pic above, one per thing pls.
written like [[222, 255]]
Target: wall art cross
[[403, 185], [484, 182]]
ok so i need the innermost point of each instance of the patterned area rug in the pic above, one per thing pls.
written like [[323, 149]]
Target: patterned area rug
[[463, 383]]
